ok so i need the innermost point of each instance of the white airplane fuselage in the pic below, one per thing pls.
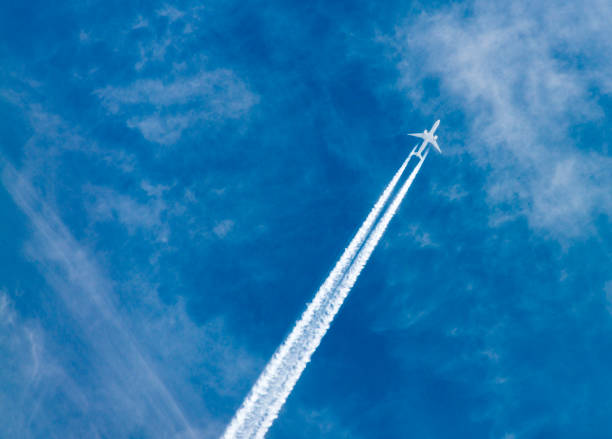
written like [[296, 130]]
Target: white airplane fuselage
[[429, 138]]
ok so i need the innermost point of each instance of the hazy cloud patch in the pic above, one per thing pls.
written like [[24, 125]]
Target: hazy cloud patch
[[420, 236], [109, 205], [223, 228], [499, 64], [161, 111], [142, 353]]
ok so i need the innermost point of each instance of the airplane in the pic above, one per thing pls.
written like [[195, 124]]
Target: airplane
[[428, 137]]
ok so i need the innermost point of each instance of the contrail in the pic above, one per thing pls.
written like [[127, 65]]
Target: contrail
[[252, 408], [274, 385]]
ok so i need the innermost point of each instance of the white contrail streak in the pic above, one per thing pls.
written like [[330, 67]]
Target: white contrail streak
[[274, 385], [252, 409]]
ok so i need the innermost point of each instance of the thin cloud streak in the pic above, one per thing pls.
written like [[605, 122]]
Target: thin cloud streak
[[276, 382], [85, 293]]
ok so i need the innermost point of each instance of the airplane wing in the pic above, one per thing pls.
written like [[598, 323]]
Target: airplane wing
[[435, 144], [419, 135]]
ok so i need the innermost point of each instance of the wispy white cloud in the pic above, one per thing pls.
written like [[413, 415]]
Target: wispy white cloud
[[223, 228], [87, 294], [322, 422], [453, 193], [51, 136], [141, 354], [171, 88], [419, 236], [171, 12], [29, 372], [499, 63], [161, 111], [140, 23], [109, 205], [22, 336], [219, 88]]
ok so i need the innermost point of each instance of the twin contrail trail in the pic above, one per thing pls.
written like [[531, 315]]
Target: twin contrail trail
[[262, 404]]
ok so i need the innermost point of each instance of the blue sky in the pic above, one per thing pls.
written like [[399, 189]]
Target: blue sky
[[178, 179]]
